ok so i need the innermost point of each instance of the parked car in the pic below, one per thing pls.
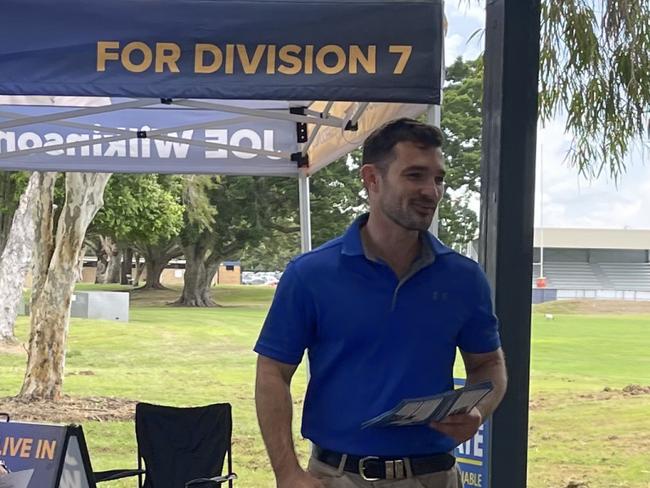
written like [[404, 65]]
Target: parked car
[[261, 277]]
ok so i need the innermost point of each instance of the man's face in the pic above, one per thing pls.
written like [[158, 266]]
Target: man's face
[[412, 186]]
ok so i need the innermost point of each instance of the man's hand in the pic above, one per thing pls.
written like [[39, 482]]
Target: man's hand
[[300, 479], [460, 427]]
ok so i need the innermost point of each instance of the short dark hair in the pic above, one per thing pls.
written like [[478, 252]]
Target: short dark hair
[[378, 146]]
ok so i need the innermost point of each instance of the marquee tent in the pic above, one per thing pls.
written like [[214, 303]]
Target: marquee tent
[[318, 69], [238, 87]]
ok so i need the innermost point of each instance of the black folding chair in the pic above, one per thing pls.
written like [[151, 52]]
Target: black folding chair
[[180, 447]]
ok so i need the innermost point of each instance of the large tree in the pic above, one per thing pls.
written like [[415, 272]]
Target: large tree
[[12, 184], [337, 197], [461, 115], [242, 210], [16, 258], [142, 212], [55, 267], [257, 217], [595, 72], [595, 69]]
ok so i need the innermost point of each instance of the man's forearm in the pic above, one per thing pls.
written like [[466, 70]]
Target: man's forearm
[[274, 413], [495, 371]]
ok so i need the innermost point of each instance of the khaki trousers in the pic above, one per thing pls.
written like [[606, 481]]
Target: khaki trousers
[[337, 478]]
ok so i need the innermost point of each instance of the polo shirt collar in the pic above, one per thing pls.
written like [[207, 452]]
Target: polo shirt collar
[[353, 246]]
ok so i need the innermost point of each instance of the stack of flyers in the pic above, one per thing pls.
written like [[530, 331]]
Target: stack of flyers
[[418, 411]]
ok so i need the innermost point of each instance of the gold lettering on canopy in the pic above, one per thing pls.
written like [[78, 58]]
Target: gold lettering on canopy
[[167, 53], [270, 59], [199, 58], [132, 47]]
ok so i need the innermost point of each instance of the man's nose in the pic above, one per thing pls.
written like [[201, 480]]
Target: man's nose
[[432, 190]]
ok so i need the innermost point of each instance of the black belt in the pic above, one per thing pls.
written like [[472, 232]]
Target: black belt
[[373, 468]]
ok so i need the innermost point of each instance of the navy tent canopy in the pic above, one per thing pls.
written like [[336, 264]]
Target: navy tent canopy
[[209, 86]]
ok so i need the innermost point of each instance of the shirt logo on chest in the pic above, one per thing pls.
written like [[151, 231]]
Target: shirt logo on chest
[[440, 296]]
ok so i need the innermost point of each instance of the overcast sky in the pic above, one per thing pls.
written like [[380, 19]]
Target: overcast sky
[[569, 200]]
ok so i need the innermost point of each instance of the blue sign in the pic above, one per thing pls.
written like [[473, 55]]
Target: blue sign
[[223, 49], [32, 454], [473, 455], [89, 144]]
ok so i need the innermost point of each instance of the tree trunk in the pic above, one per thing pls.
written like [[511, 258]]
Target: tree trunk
[[154, 268], [54, 274], [114, 267], [7, 190], [108, 263], [16, 259], [126, 274], [156, 258], [200, 268], [102, 265], [139, 269], [80, 264]]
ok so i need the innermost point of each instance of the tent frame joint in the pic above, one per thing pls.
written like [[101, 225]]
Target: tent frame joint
[[301, 127], [302, 160], [352, 127]]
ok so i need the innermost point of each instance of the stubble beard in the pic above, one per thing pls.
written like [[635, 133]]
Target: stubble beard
[[406, 217]]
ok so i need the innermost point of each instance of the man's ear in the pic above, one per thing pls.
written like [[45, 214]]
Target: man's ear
[[370, 176]]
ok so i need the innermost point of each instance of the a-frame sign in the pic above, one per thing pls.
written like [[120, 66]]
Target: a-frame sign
[[44, 456]]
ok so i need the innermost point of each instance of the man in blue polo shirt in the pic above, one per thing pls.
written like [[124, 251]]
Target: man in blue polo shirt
[[381, 311]]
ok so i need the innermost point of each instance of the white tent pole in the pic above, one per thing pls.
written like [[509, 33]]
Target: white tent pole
[[541, 212], [434, 118], [362, 108], [314, 132], [305, 211], [211, 124], [71, 114], [265, 114], [305, 230], [160, 134]]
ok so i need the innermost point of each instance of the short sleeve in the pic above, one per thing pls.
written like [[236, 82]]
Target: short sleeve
[[480, 333], [290, 323]]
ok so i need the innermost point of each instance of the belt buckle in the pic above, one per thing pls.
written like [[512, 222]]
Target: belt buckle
[[362, 468]]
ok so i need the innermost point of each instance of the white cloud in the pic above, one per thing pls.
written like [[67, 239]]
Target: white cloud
[[571, 200], [474, 12], [453, 47], [463, 9], [464, 23], [456, 45]]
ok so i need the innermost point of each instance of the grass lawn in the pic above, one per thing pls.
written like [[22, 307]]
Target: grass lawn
[[178, 356]]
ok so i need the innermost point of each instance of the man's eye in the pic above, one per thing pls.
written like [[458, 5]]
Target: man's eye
[[440, 180]]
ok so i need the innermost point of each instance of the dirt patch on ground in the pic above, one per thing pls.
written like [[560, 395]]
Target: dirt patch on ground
[[594, 307], [577, 484], [69, 409], [610, 393], [607, 393], [636, 390]]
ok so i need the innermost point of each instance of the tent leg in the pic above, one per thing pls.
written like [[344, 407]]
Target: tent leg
[[434, 118], [305, 212], [305, 229]]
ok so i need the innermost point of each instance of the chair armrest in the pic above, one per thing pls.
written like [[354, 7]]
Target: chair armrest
[[116, 474], [216, 481]]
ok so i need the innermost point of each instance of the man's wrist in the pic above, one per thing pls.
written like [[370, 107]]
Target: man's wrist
[[286, 473], [482, 411]]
